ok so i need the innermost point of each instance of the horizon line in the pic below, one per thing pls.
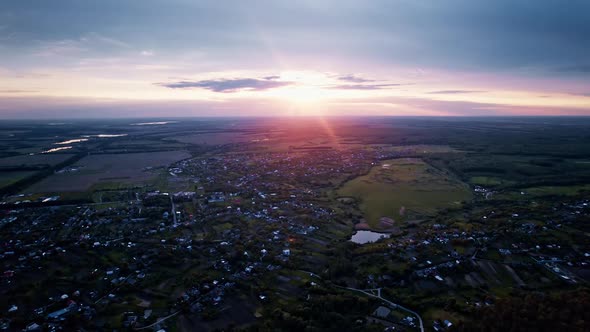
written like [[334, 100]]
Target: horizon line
[[298, 116]]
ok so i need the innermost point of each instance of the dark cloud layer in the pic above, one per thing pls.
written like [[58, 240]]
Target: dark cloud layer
[[536, 36], [229, 85]]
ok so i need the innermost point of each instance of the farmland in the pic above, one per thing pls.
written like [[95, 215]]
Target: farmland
[[8, 178], [241, 221], [125, 169], [29, 161], [404, 189]]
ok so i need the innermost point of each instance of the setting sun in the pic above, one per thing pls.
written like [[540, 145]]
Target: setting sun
[[280, 165]]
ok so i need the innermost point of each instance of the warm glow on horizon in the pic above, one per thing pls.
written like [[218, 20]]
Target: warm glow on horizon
[[311, 59], [303, 92], [305, 89]]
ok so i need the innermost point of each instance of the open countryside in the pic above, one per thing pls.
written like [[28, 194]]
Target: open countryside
[[305, 166], [404, 190]]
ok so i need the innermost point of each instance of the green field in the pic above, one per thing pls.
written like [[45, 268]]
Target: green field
[[8, 178], [557, 190], [489, 181], [109, 171], [34, 160], [404, 189]]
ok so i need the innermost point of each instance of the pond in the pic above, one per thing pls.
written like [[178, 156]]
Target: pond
[[362, 237], [57, 149]]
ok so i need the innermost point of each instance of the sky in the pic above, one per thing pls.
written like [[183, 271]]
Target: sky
[[149, 58]]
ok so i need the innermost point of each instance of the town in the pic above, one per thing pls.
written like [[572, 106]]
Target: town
[[233, 237]]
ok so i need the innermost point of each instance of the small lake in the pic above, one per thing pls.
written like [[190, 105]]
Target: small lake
[[71, 141], [362, 237], [159, 123], [106, 135], [57, 149]]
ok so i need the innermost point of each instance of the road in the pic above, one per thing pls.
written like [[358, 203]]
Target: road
[[394, 305], [157, 322], [173, 209], [378, 296]]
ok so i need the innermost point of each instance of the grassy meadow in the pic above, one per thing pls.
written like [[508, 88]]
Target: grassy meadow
[[404, 189]]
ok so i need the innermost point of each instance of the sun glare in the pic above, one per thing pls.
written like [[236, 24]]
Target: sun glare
[[305, 93]]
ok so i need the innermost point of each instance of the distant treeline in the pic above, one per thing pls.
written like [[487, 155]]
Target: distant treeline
[[482, 169], [557, 155], [572, 181]]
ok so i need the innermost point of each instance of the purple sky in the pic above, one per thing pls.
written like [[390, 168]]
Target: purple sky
[[68, 58]]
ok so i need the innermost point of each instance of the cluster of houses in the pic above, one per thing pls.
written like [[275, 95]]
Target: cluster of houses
[[269, 200]]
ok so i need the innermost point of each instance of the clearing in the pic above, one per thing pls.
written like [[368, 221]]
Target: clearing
[[404, 189]]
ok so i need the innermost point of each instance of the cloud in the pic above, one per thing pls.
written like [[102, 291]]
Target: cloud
[[17, 91], [229, 85], [354, 79], [451, 92], [60, 48], [583, 94], [94, 37], [354, 82], [458, 34], [364, 86], [423, 106], [86, 44], [147, 53], [20, 107], [575, 69]]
